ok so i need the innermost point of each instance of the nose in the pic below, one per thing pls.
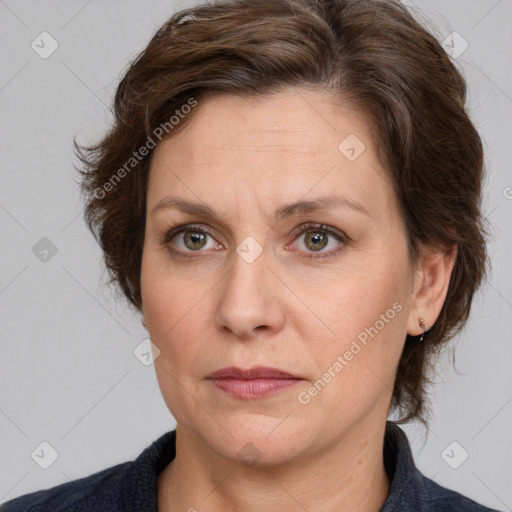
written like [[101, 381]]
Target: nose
[[250, 298]]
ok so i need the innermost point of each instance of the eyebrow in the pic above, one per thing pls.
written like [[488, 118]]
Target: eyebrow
[[284, 211]]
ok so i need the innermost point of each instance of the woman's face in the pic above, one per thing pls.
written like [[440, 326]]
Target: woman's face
[[253, 286]]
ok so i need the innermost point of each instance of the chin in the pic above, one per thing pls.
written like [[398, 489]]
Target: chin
[[256, 440]]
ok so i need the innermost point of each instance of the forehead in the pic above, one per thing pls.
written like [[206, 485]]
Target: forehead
[[304, 119], [277, 148]]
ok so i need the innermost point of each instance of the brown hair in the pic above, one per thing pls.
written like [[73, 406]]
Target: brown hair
[[375, 57]]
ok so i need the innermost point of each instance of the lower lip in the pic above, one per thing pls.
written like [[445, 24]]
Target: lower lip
[[252, 388]]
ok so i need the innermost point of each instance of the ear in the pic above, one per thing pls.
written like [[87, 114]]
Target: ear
[[431, 281]]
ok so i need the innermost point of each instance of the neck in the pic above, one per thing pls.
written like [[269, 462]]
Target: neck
[[350, 476]]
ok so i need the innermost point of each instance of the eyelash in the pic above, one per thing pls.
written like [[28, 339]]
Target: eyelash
[[340, 236]]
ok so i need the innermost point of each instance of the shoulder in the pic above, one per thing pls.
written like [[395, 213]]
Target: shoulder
[[128, 486], [410, 489], [101, 491], [443, 499]]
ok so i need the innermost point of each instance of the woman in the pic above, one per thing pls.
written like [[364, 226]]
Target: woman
[[290, 196]]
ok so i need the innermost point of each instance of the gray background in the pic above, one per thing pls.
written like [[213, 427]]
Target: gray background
[[68, 374]]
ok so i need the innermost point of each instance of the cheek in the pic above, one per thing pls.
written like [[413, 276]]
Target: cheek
[[163, 294], [356, 368], [170, 318], [173, 309], [346, 304], [365, 319]]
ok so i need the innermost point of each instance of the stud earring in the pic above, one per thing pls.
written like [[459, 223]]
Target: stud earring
[[422, 325]]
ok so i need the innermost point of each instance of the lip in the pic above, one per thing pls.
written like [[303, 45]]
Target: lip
[[253, 383], [258, 372]]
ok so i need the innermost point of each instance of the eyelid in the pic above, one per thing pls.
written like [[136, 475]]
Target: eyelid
[[344, 239], [171, 233], [168, 235], [306, 226]]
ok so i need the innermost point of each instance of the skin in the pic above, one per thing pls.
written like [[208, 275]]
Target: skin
[[245, 158]]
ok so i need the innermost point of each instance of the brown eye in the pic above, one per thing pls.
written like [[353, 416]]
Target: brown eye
[[189, 239], [316, 241], [317, 238], [194, 240]]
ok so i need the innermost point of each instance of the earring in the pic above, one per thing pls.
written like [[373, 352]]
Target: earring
[[422, 325]]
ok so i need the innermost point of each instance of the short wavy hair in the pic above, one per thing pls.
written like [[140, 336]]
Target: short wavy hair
[[371, 54]]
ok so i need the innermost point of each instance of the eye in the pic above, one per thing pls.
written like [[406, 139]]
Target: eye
[[317, 238], [192, 239]]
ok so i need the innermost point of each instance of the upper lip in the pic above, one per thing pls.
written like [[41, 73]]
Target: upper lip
[[258, 372]]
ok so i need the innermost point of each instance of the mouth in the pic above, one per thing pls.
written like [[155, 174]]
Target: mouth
[[252, 383]]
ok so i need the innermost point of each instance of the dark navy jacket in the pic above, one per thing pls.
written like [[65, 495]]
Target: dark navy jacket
[[131, 486]]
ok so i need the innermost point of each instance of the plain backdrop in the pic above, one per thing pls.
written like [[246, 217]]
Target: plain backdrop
[[68, 373]]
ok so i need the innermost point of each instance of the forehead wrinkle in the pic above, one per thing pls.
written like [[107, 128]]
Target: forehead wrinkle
[[284, 148]]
